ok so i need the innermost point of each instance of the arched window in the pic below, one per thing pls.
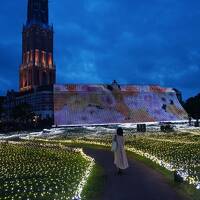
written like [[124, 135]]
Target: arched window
[[44, 78]]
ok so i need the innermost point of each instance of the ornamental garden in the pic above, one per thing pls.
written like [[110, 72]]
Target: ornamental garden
[[34, 171], [55, 167]]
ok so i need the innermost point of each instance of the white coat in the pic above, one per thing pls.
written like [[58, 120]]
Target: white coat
[[120, 158]]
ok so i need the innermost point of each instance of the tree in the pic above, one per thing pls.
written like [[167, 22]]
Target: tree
[[1, 108], [22, 113], [192, 106]]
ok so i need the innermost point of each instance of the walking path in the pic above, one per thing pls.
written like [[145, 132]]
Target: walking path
[[138, 182]]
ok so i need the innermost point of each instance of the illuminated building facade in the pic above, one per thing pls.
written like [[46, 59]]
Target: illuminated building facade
[[37, 68], [37, 73], [115, 104]]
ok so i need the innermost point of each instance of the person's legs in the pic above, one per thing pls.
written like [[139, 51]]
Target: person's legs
[[119, 171]]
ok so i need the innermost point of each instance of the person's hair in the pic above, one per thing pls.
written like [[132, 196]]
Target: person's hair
[[120, 131]]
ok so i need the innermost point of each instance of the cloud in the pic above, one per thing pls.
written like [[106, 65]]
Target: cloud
[[9, 61], [82, 67], [5, 82], [99, 6], [138, 42]]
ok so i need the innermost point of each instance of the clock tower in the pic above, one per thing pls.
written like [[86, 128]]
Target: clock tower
[[37, 68]]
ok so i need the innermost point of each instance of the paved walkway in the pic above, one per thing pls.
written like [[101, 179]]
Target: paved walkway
[[138, 183]]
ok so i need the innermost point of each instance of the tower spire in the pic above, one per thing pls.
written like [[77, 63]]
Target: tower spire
[[38, 12], [37, 68]]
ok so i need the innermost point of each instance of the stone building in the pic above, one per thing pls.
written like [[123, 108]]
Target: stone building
[[37, 73], [37, 68]]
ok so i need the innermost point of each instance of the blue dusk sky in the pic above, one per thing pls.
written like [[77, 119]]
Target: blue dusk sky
[[97, 41]]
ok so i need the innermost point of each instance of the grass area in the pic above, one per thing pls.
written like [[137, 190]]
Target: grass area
[[95, 184], [183, 189], [181, 150], [33, 171]]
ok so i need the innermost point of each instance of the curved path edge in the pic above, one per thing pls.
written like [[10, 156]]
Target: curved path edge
[[138, 182]]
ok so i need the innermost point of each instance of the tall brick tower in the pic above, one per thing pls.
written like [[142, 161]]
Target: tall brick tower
[[37, 68]]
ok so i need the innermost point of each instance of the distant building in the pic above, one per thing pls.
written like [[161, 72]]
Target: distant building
[[10, 103], [2, 99], [37, 73], [40, 99]]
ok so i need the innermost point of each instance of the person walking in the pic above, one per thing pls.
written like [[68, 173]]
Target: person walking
[[120, 158]]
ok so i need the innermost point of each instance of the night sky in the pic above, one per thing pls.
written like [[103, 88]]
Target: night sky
[[97, 41]]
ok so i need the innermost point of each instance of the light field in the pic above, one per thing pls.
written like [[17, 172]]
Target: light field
[[36, 172], [173, 151]]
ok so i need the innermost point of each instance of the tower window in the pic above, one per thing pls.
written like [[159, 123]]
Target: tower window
[[27, 57], [44, 6], [36, 57], [44, 58], [24, 58], [50, 60], [31, 56], [36, 5]]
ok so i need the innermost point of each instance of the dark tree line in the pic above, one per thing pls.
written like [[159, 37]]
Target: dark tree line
[[22, 118], [1, 110], [192, 106], [22, 113]]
